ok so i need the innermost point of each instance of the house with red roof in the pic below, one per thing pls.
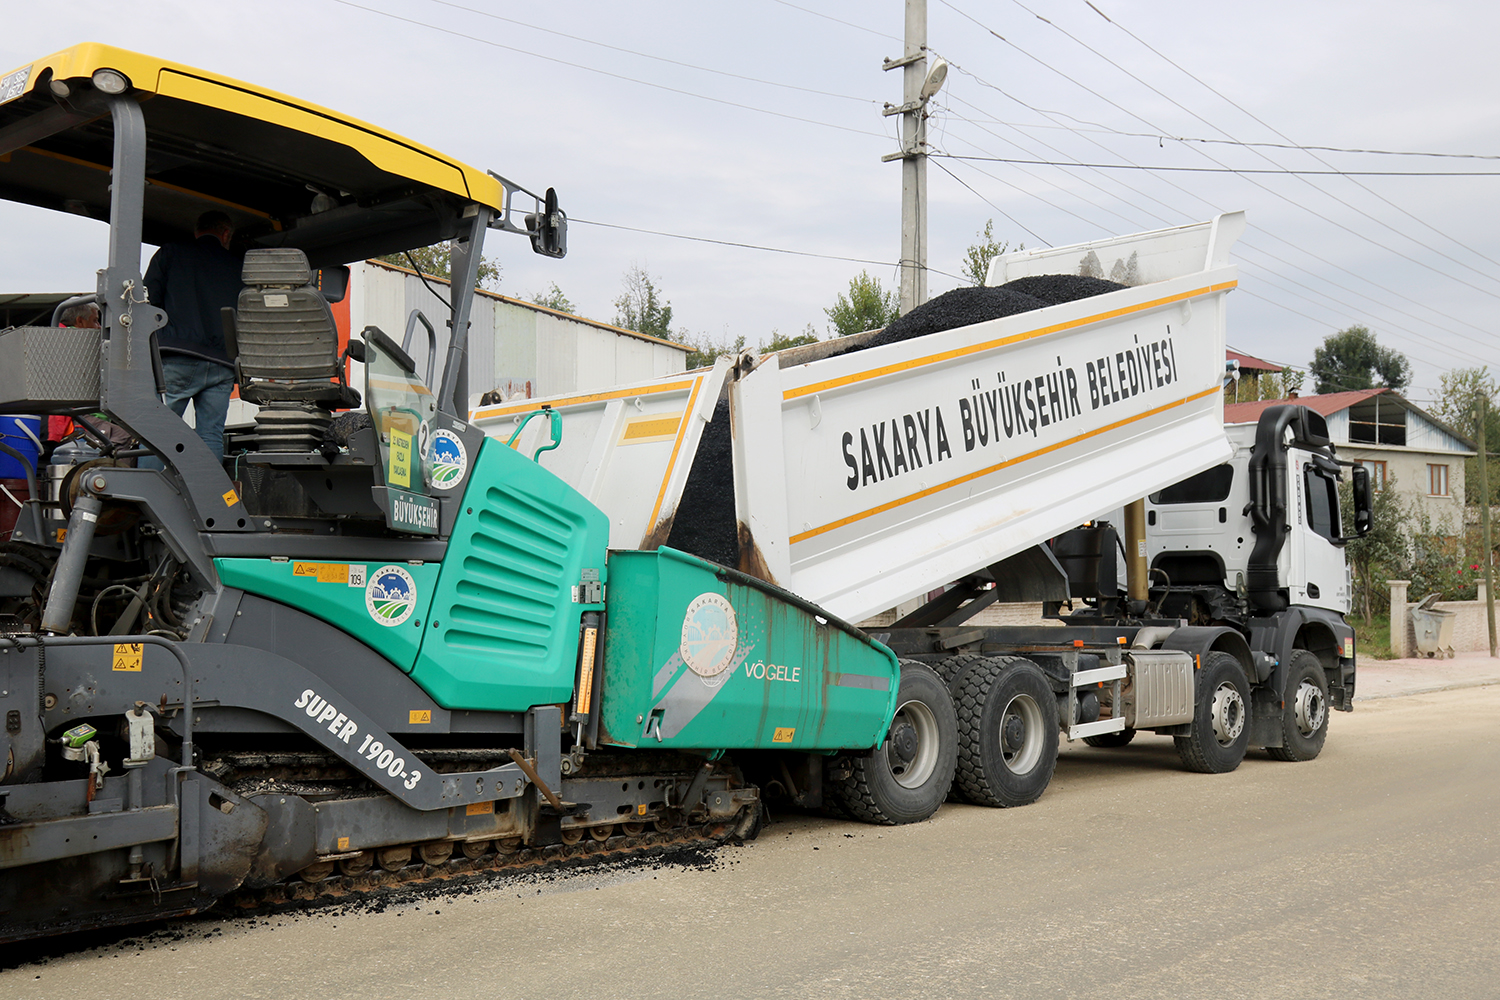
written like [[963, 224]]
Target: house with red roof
[[1245, 385], [1403, 446]]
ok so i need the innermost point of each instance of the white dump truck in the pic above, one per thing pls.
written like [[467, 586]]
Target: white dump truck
[[999, 461]]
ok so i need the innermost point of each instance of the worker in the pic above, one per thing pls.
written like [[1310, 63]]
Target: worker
[[82, 315], [192, 282]]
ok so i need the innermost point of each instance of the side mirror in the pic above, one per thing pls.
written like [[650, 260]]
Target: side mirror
[[1364, 518], [333, 282], [549, 228]]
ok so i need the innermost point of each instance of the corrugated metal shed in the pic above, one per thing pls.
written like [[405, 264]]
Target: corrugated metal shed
[[516, 348]]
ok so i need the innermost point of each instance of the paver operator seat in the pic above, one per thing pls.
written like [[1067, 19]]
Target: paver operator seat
[[286, 352]]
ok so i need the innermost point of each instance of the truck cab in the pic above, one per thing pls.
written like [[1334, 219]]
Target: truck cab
[[1200, 532]]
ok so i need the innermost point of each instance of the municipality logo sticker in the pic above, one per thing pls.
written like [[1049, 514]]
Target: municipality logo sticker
[[391, 595], [446, 460], [710, 634]]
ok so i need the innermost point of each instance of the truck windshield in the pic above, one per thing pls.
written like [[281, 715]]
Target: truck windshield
[[1209, 486], [1322, 504]]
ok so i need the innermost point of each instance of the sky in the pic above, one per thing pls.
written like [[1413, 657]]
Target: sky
[[758, 122]]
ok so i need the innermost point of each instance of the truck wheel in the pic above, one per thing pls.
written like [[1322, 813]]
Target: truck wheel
[[1221, 729], [953, 668], [1007, 733], [907, 777], [1304, 713], [1111, 740]]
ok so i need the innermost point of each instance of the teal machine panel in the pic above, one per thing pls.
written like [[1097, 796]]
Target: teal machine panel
[[703, 657], [383, 605], [505, 612]]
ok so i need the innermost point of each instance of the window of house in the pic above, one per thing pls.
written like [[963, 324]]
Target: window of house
[[1377, 474], [1437, 480]]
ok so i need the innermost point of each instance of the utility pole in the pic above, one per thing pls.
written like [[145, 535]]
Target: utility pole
[[918, 84], [1484, 520]]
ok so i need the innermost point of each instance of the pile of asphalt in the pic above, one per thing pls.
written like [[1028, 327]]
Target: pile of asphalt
[[967, 306], [705, 522]]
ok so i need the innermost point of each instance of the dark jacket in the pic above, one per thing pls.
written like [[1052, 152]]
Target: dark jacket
[[192, 282]]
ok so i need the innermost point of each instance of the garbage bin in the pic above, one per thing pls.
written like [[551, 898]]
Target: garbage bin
[[1433, 627]]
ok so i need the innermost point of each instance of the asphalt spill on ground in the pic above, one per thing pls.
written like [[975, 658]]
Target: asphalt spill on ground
[[416, 900]]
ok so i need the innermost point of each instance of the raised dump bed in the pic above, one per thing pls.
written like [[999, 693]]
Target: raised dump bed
[[861, 479]]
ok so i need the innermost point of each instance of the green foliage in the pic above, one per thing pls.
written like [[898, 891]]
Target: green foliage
[[434, 262], [706, 351], [976, 264], [1353, 359], [1458, 406], [640, 306], [866, 307], [1441, 562], [780, 343], [1372, 639], [553, 298], [1384, 554], [1271, 385]]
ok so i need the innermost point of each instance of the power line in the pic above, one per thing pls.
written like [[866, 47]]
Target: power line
[[1163, 137], [1216, 208], [1231, 170], [1310, 149], [838, 20], [990, 203], [1380, 222], [604, 72], [1205, 155], [1246, 244], [1411, 334], [648, 55], [752, 246]]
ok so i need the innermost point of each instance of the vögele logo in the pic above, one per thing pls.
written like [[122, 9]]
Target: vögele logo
[[391, 595]]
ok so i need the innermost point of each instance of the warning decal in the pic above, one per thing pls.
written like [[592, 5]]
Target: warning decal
[[127, 657]]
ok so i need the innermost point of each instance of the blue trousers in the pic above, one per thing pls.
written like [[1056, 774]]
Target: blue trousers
[[207, 385]]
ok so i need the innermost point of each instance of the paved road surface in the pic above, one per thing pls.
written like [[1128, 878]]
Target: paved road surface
[[1371, 872]]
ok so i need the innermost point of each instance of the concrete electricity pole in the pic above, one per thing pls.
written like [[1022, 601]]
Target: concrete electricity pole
[[918, 84], [1484, 520]]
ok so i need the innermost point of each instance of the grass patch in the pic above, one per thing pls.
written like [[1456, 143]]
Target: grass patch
[[1372, 640]]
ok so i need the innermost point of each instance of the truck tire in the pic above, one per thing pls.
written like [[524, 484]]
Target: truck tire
[[1111, 740], [907, 777], [1221, 722], [954, 667], [1304, 712], [1007, 732]]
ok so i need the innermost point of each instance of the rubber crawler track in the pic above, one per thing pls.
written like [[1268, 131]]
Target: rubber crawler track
[[295, 894]]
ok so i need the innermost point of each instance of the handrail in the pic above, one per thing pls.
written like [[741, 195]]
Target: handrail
[[556, 430], [417, 316]]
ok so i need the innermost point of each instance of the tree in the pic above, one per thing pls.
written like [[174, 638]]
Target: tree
[[640, 306], [866, 307], [1458, 406], [1381, 555], [780, 343], [1353, 359], [433, 261], [705, 351], [553, 298], [976, 265]]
